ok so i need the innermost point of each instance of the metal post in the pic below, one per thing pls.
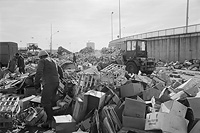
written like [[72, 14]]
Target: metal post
[[119, 21], [187, 16], [51, 41], [111, 25]]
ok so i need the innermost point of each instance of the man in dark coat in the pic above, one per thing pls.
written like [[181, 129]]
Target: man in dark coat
[[20, 63], [50, 73], [74, 58], [12, 64]]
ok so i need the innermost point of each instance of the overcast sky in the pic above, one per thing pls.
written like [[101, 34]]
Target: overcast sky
[[80, 21]]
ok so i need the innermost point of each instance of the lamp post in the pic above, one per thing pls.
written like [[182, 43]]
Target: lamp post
[[119, 21], [111, 25], [187, 10], [51, 38]]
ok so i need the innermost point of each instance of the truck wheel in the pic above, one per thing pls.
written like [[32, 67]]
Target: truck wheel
[[131, 67]]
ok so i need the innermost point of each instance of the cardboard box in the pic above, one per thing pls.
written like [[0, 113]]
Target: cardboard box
[[37, 100], [187, 85], [167, 122], [78, 113], [194, 103], [131, 89], [179, 95], [67, 99], [174, 107], [165, 77], [65, 124], [176, 84], [25, 102], [28, 91], [133, 122], [93, 100], [160, 86], [134, 108], [149, 93], [86, 124], [192, 91], [134, 113]]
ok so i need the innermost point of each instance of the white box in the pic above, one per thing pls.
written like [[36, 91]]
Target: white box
[[167, 122], [64, 124]]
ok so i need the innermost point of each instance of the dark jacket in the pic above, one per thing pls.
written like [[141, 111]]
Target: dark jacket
[[20, 62], [48, 71], [12, 65], [74, 58]]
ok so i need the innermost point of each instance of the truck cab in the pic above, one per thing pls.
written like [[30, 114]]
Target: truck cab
[[136, 57], [7, 51]]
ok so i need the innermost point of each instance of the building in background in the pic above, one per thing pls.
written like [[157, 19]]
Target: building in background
[[91, 44]]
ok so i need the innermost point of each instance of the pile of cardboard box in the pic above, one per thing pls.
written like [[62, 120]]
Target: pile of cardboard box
[[94, 103]]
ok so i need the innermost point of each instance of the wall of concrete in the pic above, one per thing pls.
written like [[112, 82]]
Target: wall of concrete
[[175, 48]]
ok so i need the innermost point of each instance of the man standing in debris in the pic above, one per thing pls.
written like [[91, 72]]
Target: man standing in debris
[[49, 72], [74, 58], [12, 64], [20, 63]]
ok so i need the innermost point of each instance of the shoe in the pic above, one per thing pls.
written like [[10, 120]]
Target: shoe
[[47, 125]]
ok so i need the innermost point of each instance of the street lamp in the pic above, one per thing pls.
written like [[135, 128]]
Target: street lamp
[[111, 25], [119, 21], [187, 10], [51, 38]]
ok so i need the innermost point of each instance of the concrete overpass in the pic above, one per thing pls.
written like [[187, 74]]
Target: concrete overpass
[[172, 44]]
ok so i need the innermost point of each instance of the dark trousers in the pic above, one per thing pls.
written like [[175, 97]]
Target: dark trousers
[[48, 98], [22, 70]]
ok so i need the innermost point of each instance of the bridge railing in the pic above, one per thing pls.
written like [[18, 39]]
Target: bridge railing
[[164, 32]]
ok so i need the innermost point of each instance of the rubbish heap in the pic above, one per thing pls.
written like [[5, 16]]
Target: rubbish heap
[[104, 101], [193, 65]]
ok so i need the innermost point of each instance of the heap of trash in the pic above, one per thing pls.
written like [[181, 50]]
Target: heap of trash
[[103, 101], [193, 65]]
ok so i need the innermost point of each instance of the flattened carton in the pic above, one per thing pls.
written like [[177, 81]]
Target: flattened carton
[[187, 85], [167, 122], [151, 92], [174, 107]]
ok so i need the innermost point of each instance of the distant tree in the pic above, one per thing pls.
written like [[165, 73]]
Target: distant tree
[[61, 50], [87, 50], [104, 50], [33, 46]]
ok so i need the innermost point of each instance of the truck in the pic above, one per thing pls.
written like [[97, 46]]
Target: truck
[[136, 58], [7, 51]]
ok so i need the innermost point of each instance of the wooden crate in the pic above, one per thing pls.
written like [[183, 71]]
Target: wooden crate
[[8, 106]]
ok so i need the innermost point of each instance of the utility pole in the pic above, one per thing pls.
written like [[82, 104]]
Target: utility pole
[[51, 41], [111, 25], [187, 11], [119, 21]]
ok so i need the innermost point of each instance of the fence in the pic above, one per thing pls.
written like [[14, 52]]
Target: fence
[[164, 32]]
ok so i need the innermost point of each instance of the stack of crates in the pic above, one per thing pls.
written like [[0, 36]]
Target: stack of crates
[[8, 106], [110, 73]]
